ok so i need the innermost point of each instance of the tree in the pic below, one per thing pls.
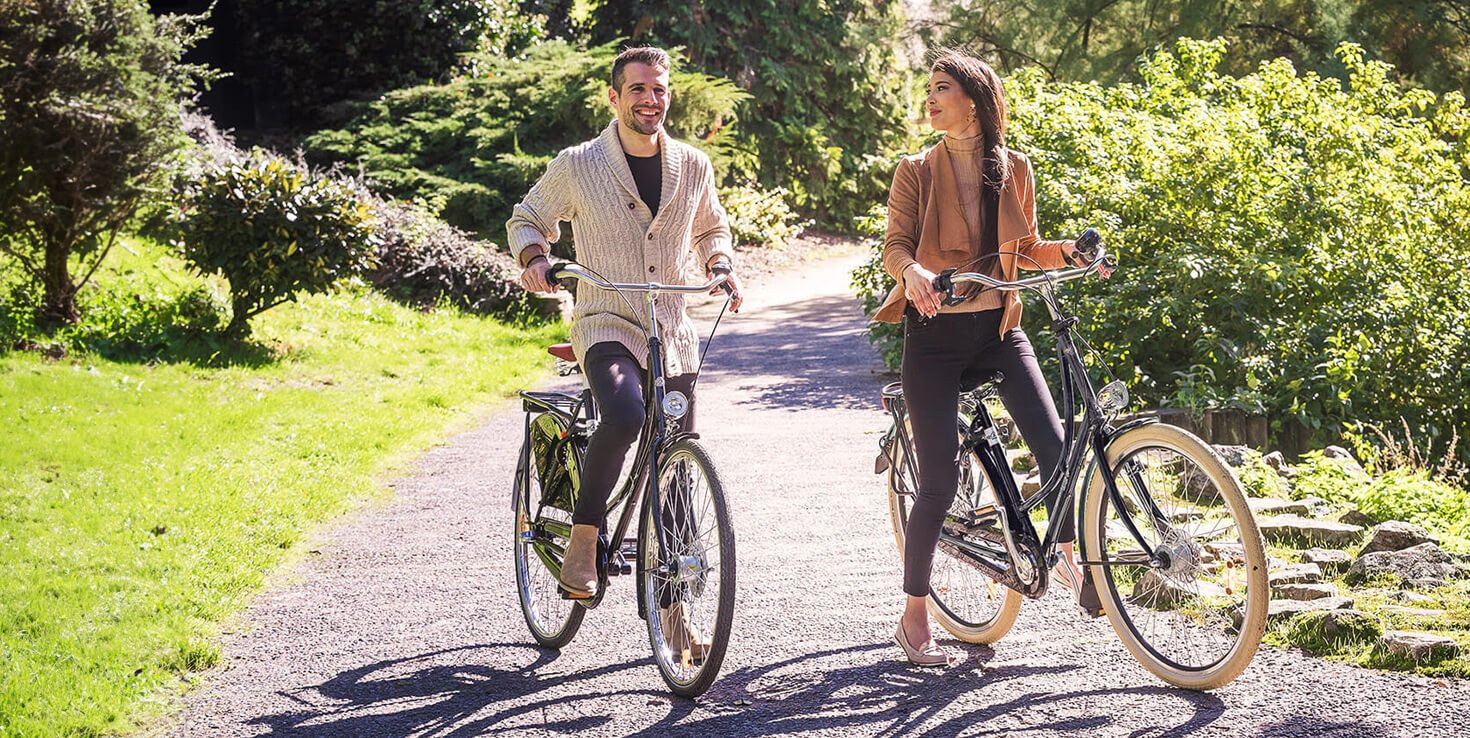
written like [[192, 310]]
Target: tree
[[90, 97]]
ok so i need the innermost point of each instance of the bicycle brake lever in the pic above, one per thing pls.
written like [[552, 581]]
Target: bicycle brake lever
[[944, 282]]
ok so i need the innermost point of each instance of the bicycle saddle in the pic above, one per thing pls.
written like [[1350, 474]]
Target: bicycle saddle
[[562, 351]]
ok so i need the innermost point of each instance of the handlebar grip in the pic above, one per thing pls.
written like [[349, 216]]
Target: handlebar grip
[[1087, 244], [554, 273]]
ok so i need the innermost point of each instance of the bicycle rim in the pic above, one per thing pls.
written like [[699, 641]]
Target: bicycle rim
[[553, 620], [688, 587], [1193, 616], [971, 606]]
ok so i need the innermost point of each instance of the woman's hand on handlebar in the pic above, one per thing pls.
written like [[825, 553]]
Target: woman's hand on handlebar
[[918, 287], [533, 277], [731, 287]]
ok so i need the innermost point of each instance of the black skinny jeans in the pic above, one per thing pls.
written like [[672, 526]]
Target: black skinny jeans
[[617, 382], [936, 352]]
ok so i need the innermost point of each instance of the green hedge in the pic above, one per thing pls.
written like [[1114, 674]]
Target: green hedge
[[470, 149], [1287, 245]]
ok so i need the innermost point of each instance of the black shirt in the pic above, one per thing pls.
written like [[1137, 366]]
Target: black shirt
[[648, 174]]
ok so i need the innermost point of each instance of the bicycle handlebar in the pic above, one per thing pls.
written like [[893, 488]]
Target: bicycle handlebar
[[1088, 244], [576, 271]]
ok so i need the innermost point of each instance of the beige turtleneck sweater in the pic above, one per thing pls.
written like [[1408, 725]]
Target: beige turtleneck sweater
[[965, 159]]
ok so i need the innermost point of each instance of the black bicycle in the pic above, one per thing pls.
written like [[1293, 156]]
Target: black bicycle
[[684, 552], [1170, 550]]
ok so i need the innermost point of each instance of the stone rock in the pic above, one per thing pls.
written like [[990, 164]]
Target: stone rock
[[1305, 591], [1414, 598], [1235, 456], [1277, 461], [1414, 613], [1345, 459], [1354, 516], [1279, 610], [1296, 574], [1021, 460], [1424, 583], [1414, 564], [1297, 529], [1185, 515], [1198, 487], [1030, 485], [1331, 560], [1347, 626], [1421, 647], [1161, 592], [1396, 535], [1270, 506]]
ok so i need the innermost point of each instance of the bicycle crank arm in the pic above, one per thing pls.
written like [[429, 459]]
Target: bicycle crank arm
[[993, 563]]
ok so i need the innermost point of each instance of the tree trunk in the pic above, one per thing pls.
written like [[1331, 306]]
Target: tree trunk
[[239, 327], [59, 305]]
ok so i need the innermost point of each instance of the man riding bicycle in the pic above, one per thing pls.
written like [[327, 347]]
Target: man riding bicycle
[[641, 206]]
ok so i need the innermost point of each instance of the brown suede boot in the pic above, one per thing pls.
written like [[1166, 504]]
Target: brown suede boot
[[579, 564]]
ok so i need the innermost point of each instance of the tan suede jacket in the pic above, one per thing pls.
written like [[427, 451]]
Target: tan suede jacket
[[926, 225]]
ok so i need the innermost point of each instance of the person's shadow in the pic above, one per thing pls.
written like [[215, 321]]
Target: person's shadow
[[834, 690]]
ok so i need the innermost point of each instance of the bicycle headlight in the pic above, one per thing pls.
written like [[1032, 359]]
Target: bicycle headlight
[[675, 405], [1113, 396]]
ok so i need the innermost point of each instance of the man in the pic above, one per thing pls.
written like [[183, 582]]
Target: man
[[641, 205]]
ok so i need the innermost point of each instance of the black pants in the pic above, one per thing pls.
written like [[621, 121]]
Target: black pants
[[936, 352], [617, 383]]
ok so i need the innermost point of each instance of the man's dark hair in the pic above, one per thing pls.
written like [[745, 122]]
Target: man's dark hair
[[653, 57]]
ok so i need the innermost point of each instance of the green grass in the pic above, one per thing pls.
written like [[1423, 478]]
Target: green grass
[[142, 502]]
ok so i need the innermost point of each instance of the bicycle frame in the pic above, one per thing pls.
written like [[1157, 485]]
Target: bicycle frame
[[1021, 544], [654, 438]]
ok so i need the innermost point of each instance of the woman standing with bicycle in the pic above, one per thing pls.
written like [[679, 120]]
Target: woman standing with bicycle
[[967, 202]]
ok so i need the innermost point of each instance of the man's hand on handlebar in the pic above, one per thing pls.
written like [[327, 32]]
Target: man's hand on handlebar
[[731, 285], [533, 277]]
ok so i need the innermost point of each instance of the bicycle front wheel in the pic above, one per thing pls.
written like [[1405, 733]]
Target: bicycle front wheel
[[1190, 605], [688, 578], [965, 602], [540, 539]]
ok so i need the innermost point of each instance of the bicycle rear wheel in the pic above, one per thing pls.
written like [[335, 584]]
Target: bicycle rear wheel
[[540, 541], [688, 581], [971, 606], [1192, 607]]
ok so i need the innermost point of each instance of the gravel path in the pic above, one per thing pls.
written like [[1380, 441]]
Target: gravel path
[[406, 622]]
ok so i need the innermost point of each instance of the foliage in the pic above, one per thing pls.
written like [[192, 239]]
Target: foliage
[[424, 261], [760, 217], [1305, 630], [273, 230], [872, 284], [142, 503], [1398, 494], [1259, 479], [830, 94], [319, 53], [90, 97], [1287, 245], [472, 147], [1426, 42]]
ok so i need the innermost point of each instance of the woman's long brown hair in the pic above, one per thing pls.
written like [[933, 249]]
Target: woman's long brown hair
[[982, 85]]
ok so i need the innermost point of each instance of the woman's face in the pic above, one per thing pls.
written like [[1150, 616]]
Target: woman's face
[[949, 107]]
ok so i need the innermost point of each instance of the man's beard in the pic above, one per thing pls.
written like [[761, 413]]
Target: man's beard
[[633, 121]]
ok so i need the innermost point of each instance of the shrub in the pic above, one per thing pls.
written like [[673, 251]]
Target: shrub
[[424, 261], [90, 96], [760, 217], [472, 147], [1399, 494], [273, 230], [319, 53], [872, 284]]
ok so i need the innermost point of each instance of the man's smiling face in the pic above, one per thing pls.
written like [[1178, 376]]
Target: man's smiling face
[[643, 102]]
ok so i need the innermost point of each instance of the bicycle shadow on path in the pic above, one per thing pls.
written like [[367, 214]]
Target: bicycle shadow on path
[[792, 696]]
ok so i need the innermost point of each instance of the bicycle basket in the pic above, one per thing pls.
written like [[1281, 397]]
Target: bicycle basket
[[557, 461]]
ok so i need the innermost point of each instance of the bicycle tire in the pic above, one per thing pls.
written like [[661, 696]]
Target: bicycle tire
[[1174, 612], [990, 609], [552, 620], [689, 586]]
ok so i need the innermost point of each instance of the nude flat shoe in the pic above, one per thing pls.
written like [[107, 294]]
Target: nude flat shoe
[[932, 656], [578, 564]]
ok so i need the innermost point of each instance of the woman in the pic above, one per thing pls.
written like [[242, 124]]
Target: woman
[[966, 202]]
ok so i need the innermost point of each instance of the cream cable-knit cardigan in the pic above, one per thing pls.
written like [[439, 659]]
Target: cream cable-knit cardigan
[[616, 235]]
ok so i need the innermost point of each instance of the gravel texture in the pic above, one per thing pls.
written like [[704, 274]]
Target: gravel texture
[[406, 621]]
